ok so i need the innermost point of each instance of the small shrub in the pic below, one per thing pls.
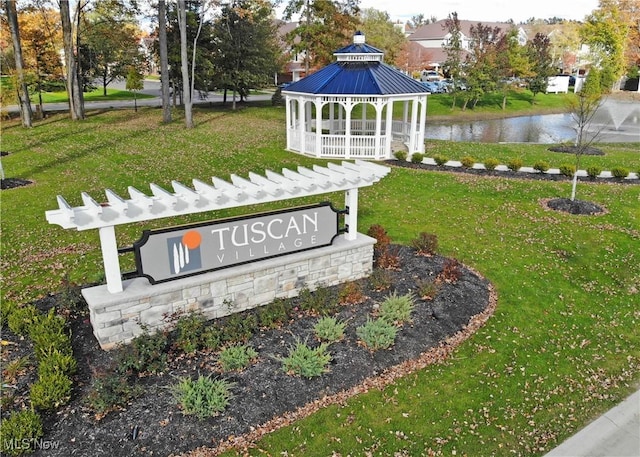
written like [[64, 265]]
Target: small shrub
[[467, 161], [50, 391], [377, 334], [440, 159], [57, 362], [450, 271], [427, 288], [567, 170], [146, 353], [594, 172], [514, 164], [380, 279], [110, 391], [22, 427], [350, 293], [273, 314], [212, 337], [21, 319], [541, 166], [236, 357], [417, 157], [400, 155], [383, 255], [69, 299], [319, 301], [397, 309], [188, 330], [329, 329], [15, 368], [491, 163], [426, 244], [305, 361], [48, 332], [204, 397], [277, 99], [239, 328], [620, 172]]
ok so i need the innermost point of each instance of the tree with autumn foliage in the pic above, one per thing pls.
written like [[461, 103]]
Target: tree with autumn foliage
[[325, 26], [382, 34]]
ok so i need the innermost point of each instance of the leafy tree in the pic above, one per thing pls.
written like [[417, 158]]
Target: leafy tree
[[110, 41], [583, 109], [23, 93], [539, 54], [135, 82], [605, 31], [512, 63], [381, 33], [247, 52], [325, 25], [481, 63], [453, 48]]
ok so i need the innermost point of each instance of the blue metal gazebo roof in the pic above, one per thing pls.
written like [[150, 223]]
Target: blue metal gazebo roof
[[358, 71], [357, 78]]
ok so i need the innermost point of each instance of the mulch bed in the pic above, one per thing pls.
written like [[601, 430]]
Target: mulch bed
[[266, 398]]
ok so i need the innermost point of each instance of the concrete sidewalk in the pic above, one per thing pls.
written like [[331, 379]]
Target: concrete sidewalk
[[614, 434]]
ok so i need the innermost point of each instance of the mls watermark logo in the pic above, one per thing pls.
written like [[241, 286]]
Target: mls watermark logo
[[184, 252]]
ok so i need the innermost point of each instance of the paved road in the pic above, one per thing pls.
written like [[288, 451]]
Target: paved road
[[151, 87]]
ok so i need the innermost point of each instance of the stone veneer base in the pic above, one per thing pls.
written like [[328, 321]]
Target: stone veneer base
[[117, 318]]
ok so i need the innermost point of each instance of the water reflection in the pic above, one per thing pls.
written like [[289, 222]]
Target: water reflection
[[615, 121]]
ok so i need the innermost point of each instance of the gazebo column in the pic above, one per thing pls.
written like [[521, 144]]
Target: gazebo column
[[288, 120], [389, 129], [414, 126], [332, 115], [379, 107], [423, 123], [405, 119], [318, 105], [301, 124], [347, 130]]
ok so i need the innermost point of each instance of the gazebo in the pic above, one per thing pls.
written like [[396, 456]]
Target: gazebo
[[346, 109]]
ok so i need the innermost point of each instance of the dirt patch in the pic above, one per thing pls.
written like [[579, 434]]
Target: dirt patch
[[578, 207], [266, 398]]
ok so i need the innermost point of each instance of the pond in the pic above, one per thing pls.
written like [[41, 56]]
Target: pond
[[615, 121]]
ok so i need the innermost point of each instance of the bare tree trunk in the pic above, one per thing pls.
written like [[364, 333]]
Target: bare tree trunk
[[184, 58], [23, 93], [164, 62], [74, 89]]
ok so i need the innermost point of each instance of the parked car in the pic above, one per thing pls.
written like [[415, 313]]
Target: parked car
[[430, 75], [434, 87], [449, 84]]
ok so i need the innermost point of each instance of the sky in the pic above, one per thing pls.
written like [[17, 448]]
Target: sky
[[485, 10]]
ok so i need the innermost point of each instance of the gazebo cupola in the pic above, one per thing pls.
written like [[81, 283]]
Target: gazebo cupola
[[358, 107]]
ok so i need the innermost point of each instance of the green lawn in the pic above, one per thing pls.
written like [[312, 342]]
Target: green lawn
[[562, 347], [96, 95]]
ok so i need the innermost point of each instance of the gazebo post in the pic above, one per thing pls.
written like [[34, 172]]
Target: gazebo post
[[318, 105], [288, 121], [414, 126], [301, 123], [423, 123], [378, 133], [389, 129], [332, 113]]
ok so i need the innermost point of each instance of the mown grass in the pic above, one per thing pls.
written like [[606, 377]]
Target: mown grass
[[96, 95], [562, 347]]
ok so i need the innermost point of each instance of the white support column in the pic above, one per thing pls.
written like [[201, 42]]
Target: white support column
[[347, 130], [332, 116], [423, 123], [288, 121], [318, 105], [414, 126], [405, 118], [301, 124], [389, 129], [110, 258], [378, 133], [351, 219]]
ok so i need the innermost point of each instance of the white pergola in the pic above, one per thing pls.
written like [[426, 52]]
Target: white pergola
[[346, 110]]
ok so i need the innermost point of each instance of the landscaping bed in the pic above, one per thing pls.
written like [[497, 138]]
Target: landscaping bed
[[265, 397]]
